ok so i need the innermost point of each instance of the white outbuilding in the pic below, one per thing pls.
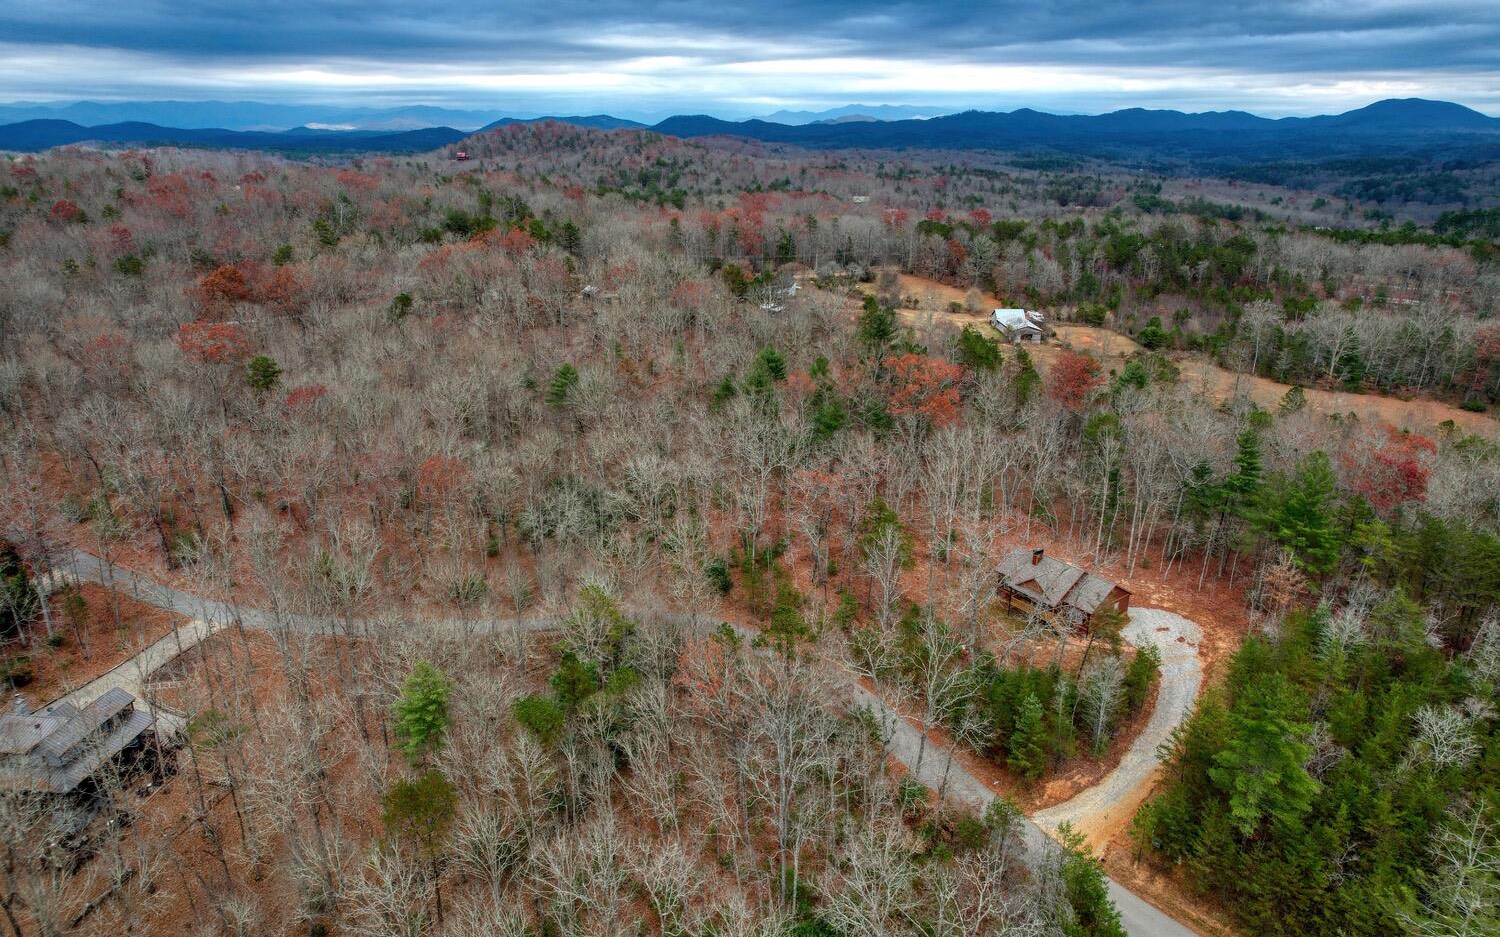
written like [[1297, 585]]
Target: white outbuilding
[[1018, 325]]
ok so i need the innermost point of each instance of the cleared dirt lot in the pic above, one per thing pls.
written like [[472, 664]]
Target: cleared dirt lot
[[1114, 349]]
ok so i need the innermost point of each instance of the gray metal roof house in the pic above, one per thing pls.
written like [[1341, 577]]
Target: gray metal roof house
[[61, 746], [1031, 581]]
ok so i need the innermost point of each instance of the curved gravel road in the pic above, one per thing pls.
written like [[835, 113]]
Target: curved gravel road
[[1139, 917], [1111, 802]]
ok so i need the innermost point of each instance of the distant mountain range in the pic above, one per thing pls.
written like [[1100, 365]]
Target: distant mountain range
[[257, 115], [247, 115], [35, 135], [857, 112], [1409, 125], [1390, 124]]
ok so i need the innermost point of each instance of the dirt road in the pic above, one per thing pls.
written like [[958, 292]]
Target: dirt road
[[935, 769], [1113, 349]]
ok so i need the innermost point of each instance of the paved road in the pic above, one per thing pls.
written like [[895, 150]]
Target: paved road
[[1105, 807], [1140, 918]]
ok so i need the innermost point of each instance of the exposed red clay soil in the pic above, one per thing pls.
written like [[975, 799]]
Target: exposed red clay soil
[[1169, 891]]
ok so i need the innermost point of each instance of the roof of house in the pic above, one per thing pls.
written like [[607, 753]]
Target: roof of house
[[1011, 319], [110, 704], [1053, 582], [98, 751], [19, 734], [57, 748]]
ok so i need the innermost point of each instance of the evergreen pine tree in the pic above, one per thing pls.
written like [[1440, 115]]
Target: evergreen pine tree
[[1261, 766], [1027, 379], [877, 325], [422, 711], [1028, 751], [725, 392], [564, 381], [1086, 890], [1243, 484], [1298, 516], [977, 351], [262, 372]]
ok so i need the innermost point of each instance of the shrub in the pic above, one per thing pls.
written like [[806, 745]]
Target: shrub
[[541, 716], [467, 589], [262, 372], [16, 672], [130, 265], [1293, 400], [913, 795], [1091, 314], [1153, 336], [717, 572]]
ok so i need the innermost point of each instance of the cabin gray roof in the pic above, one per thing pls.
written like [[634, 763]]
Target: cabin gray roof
[[57, 748], [98, 751], [1090, 592], [1053, 582], [1047, 580], [110, 704], [20, 735]]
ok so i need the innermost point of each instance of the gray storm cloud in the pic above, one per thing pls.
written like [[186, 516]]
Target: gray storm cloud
[[1285, 57]]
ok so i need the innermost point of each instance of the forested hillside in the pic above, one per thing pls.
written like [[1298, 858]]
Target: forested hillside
[[1344, 780], [400, 406]]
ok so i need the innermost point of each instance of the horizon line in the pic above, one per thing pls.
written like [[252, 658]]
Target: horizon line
[[499, 113]]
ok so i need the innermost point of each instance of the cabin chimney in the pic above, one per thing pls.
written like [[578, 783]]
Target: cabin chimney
[[20, 706], [1036, 555]]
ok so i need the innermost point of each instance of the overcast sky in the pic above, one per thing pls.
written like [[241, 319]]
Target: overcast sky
[[645, 59]]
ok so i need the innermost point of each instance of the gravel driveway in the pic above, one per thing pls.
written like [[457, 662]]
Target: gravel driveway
[[1103, 808]]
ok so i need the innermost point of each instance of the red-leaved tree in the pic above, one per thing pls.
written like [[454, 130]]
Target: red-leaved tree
[[1074, 378], [1389, 467], [65, 210], [926, 387], [213, 342], [216, 291]]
